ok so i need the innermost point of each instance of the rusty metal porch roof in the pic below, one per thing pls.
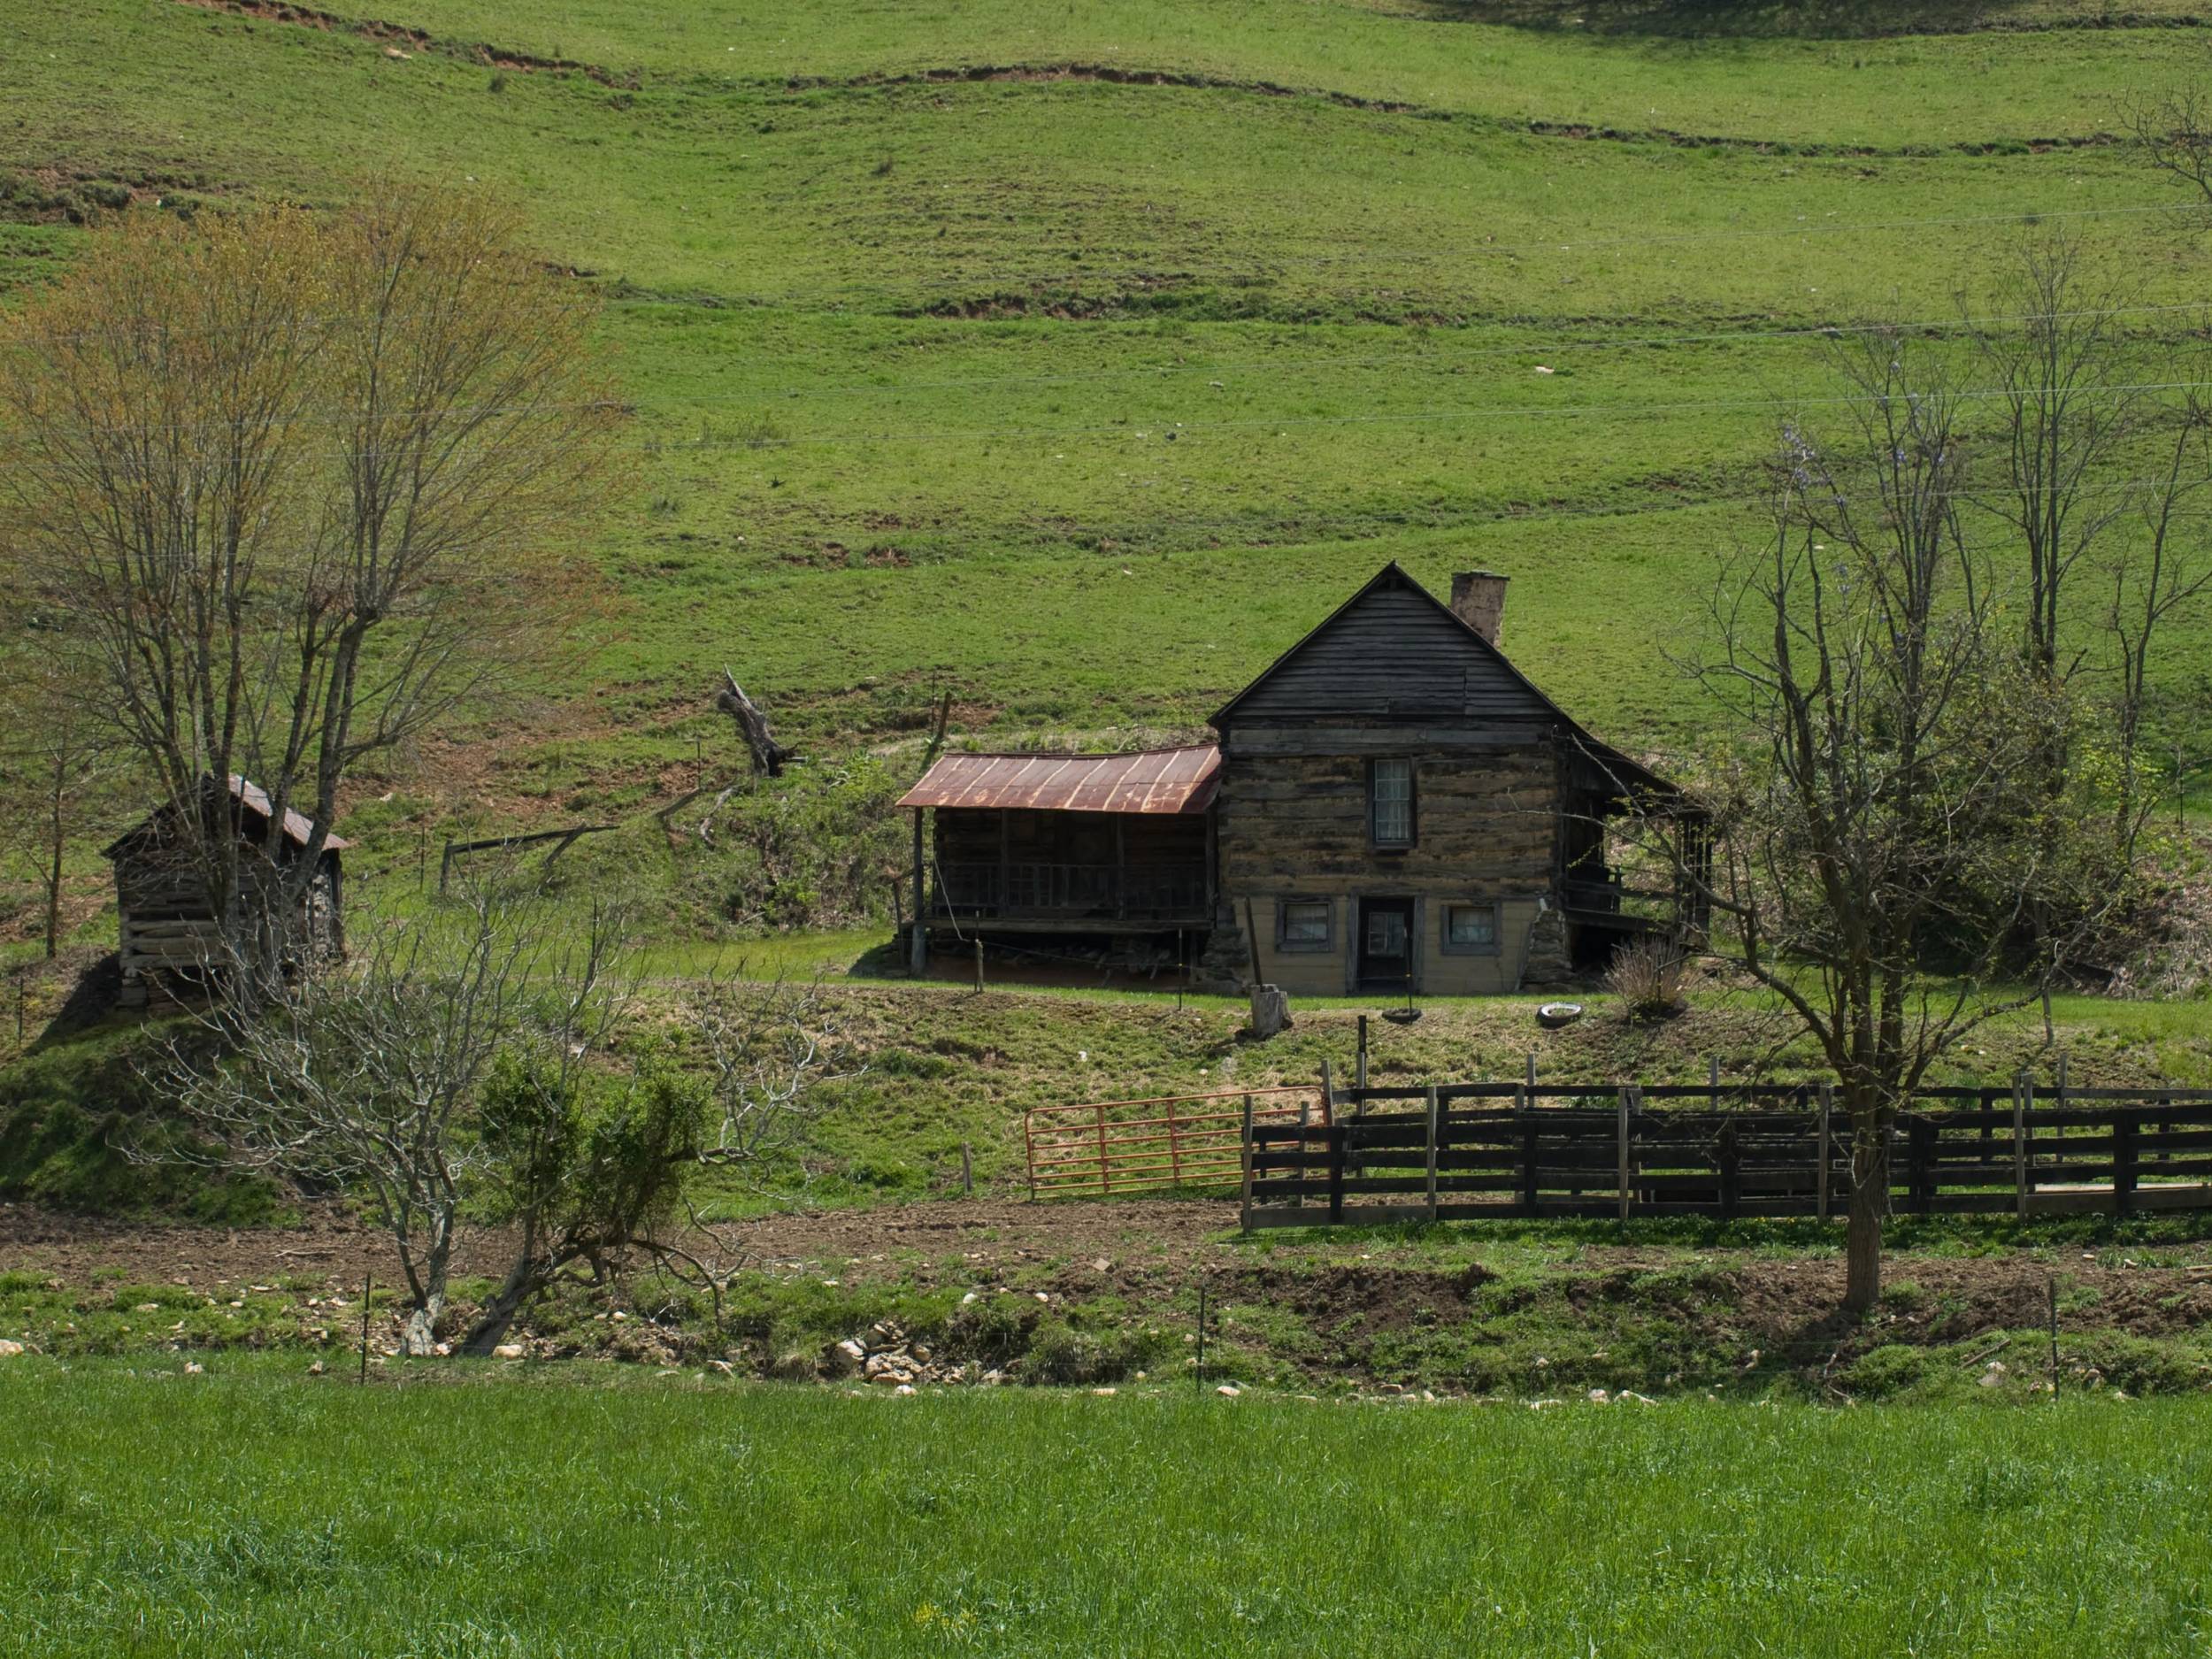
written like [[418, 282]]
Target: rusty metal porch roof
[[1154, 780]]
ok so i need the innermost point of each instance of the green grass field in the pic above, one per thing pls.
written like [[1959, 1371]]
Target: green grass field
[[671, 1517], [1081, 398]]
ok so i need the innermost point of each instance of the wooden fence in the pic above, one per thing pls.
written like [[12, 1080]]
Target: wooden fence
[[1483, 1150], [1191, 1141]]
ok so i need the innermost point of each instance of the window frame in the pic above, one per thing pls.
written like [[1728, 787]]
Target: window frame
[[1444, 927], [1413, 805], [1287, 946]]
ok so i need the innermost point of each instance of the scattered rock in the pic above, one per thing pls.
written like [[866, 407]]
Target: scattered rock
[[193, 1368], [1630, 1393], [315, 1370], [155, 1307], [507, 1350], [903, 1388], [1538, 1405], [1228, 1391], [720, 1367], [1104, 1393], [9, 1350], [1598, 1397]]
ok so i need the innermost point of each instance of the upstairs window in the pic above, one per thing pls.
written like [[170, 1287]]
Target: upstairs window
[[1390, 803]]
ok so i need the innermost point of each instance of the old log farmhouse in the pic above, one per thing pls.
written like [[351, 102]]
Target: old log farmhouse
[[1390, 807]]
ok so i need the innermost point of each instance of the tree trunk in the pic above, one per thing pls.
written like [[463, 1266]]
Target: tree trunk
[[419, 1339], [1869, 1203], [523, 1282], [53, 897]]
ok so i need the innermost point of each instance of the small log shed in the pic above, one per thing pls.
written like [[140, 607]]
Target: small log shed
[[167, 931]]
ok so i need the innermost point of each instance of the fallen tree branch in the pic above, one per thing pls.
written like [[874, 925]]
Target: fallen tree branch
[[769, 756]]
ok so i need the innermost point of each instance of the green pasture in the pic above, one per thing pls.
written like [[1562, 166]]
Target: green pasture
[[1081, 398], [252, 1511]]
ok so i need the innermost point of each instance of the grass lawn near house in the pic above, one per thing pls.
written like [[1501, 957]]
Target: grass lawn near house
[[250, 1509]]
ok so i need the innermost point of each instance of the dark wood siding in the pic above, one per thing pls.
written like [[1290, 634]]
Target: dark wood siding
[[1392, 653]]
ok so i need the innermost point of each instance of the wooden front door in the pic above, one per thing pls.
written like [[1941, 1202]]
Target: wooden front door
[[1385, 945]]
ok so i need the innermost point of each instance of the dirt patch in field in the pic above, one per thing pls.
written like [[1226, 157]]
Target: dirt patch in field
[[402, 38], [327, 1245], [1113, 75], [995, 1233], [1318, 1308], [1786, 1310]]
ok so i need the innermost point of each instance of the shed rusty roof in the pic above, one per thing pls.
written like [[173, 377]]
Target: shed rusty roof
[[1150, 780], [298, 828]]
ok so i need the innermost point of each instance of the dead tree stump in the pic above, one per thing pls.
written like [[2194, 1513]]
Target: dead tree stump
[[1271, 1010]]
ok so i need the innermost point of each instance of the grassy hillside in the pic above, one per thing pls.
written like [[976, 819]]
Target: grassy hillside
[[1076, 359]]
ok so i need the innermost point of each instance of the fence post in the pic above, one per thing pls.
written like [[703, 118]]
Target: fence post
[[2123, 1127], [1825, 1155], [1174, 1146], [1305, 1129], [1526, 1112], [1105, 1183], [1624, 1153], [1336, 1133], [1433, 1112], [1244, 1213], [2027, 1096], [1359, 1067], [1920, 1140], [2019, 1148], [1730, 1168], [1029, 1150]]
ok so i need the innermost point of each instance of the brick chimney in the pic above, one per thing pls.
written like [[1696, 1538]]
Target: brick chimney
[[1478, 600]]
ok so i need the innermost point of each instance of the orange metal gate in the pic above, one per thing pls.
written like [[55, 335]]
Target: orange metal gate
[[1163, 1144]]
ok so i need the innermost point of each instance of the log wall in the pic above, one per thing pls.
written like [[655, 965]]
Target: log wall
[[1292, 823], [165, 928]]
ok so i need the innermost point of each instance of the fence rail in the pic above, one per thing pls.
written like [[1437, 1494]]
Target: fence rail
[[1497, 1150], [1180, 1141]]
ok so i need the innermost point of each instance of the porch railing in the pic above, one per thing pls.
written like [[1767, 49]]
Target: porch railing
[[1021, 888]]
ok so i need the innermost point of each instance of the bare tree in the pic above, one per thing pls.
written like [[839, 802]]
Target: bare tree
[[59, 769], [2161, 571], [771, 1049], [364, 1080], [2173, 130], [1874, 845], [582, 1155], [293, 489], [2069, 409], [774, 1054]]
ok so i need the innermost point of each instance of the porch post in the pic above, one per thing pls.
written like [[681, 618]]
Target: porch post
[[1121, 865], [918, 949]]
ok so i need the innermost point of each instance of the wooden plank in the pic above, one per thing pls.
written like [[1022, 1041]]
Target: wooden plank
[[1246, 1210], [1827, 1143], [1622, 1181], [1434, 1114]]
